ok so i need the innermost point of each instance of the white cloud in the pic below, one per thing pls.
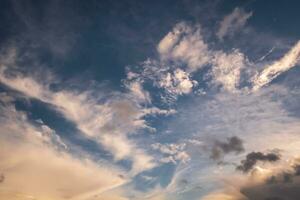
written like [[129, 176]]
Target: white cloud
[[255, 117], [33, 166], [167, 43], [288, 61], [233, 23], [227, 69], [185, 44], [138, 92], [177, 83], [174, 81], [108, 123], [188, 46], [172, 152]]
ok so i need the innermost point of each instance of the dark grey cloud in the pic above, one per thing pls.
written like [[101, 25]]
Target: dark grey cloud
[[282, 186], [284, 177], [253, 157], [297, 170], [2, 178], [231, 145]]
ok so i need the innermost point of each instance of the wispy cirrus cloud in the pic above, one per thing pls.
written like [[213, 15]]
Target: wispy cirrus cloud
[[118, 116], [271, 71], [35, 165], [232, 23], [226, 107]]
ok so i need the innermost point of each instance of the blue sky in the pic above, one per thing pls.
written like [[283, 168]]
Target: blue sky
[[133, 100]]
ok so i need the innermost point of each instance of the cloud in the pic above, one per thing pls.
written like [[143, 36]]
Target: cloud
[[171, 81], [270, 72], [2, 178], [185, 44], [223, 196], [178, 82], [284, 184], [232, 145], [138, 92], [117, 116], [172, 152], [255, 117], [253, 157], [227, 69], [231, 70], [233, 23], [34, 166], [276, 182], [114, 119], [183, 52]]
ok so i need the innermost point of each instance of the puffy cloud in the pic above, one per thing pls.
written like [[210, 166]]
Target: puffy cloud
[[173, 81], [138, 92], [233, 144], [253, 157], [177, 83], [185, 44], [227, 69], [188, 47], [233, 22], [288, 61], [172, 152]]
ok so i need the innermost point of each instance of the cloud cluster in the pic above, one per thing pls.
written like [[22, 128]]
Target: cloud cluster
[[185, 46], [172, 152], [117, 117], [173, 81], [178, 82]]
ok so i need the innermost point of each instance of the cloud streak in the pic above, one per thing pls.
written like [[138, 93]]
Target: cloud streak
[[33, 165], [270, 72], [97, 121], [233, 23]]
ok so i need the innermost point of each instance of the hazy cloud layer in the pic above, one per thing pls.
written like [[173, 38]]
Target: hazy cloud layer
[[195, 119]]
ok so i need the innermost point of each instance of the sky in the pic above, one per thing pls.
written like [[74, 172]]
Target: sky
[[149, 100]]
